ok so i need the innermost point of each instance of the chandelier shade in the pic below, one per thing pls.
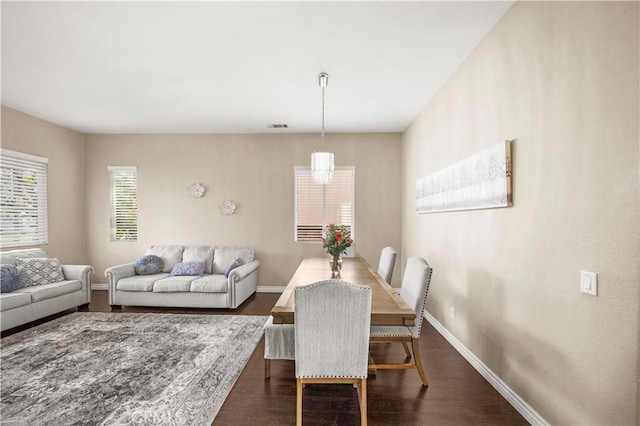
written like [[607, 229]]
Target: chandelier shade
[[322, 162], [322, 167]]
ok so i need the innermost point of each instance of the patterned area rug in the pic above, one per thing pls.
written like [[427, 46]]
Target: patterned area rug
[[124, 369]]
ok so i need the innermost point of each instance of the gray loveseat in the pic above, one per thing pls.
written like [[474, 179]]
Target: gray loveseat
[[28, 304], [212, 289]]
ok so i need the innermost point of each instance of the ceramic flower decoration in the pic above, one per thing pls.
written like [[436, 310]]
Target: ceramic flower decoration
[[196, 190], [228, 208]]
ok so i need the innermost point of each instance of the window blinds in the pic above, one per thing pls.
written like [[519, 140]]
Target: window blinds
[[319, 205], [23, 199], [124, 203]]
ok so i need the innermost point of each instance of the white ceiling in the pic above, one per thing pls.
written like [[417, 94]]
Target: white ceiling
[[234, 67]]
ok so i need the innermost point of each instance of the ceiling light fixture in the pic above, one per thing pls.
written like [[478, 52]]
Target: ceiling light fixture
[[322, 162]]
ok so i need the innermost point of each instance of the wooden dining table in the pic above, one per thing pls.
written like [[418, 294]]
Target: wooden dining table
[[387, 308]]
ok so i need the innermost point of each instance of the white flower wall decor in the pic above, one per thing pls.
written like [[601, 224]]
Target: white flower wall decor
[[196, 190], [227, 207]]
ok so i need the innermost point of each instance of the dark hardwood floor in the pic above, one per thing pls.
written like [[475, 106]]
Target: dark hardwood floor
[[457, 393]]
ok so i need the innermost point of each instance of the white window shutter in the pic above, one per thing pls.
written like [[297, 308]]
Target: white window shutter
[[23, 199], [124, 203], [316, 206]]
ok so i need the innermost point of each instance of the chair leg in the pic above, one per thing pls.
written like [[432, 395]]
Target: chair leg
[[298, 402], [267, 368], [363, 402], [406, 349], [416, 354]]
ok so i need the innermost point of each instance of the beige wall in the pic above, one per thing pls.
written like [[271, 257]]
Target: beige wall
[[65, 175], [256, 172], [561, 78]]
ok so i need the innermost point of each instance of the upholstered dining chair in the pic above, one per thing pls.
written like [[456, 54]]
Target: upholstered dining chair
[[332, 322], [278, 344], [386, 264], [415, 285]]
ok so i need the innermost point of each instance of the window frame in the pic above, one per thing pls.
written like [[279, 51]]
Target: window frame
[[115, 171], [14, 162], [296, 169]]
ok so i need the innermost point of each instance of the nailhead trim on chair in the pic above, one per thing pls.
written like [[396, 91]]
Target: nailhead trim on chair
[[332, 377], [392, 334], [424, 303]]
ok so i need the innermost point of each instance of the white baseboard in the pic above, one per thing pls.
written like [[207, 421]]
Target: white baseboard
[[513, 398], [270, 289]]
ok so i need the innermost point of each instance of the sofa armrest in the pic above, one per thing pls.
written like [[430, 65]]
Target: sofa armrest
[[244, 270], [81, 273], [115, 274], [118, 272], [243, 282]]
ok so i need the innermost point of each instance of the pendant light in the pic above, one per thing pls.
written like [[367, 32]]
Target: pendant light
[[322, 162]]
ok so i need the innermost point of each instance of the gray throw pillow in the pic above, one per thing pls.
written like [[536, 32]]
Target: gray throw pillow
[[237, 262], [148, 264], [38, 270], [8, 278], [188, 268]]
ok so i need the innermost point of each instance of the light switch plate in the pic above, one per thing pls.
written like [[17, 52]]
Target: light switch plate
[[589, 283]]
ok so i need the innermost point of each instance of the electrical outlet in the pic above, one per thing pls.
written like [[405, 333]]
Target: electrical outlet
[[452, 313]]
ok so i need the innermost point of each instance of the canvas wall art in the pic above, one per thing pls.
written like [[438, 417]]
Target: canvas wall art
[[479, 182]]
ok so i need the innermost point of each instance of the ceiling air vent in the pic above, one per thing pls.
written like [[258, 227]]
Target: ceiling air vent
[[278, 126]]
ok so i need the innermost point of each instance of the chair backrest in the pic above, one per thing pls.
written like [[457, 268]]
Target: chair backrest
[[387, 261], [332, 320], [415, 285]]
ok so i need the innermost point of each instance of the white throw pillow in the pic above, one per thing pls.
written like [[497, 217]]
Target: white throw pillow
[[169, 254], [223, 256], [199, 254]]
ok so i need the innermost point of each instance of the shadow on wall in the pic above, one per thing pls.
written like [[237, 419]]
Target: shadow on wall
[[276, 258], [515, 355]]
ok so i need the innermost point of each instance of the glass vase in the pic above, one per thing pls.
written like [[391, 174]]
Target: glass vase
[[335, 263]]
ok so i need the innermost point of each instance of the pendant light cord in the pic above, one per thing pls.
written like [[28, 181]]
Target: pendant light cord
[[323, 80], [323, 115]]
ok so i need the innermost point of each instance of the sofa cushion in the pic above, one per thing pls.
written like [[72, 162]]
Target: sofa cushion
[[170, 255], [201, 254], [188, 268], [148, 264], [215, 283], [9, 257], [8, 278], [223, 256], [49, 291], [233, 265], [173, 284], [38, 270], [14, 300], [139, 282]]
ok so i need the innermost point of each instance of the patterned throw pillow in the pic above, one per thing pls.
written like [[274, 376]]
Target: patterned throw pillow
[[188, 268], [8, 278], [148, 265], [237, 262], [38, 270]]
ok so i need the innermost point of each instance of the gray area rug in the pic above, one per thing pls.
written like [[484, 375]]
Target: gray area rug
[[124, 368]]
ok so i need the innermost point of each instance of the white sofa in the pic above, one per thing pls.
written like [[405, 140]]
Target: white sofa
[[210, 290], [31, 303]]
